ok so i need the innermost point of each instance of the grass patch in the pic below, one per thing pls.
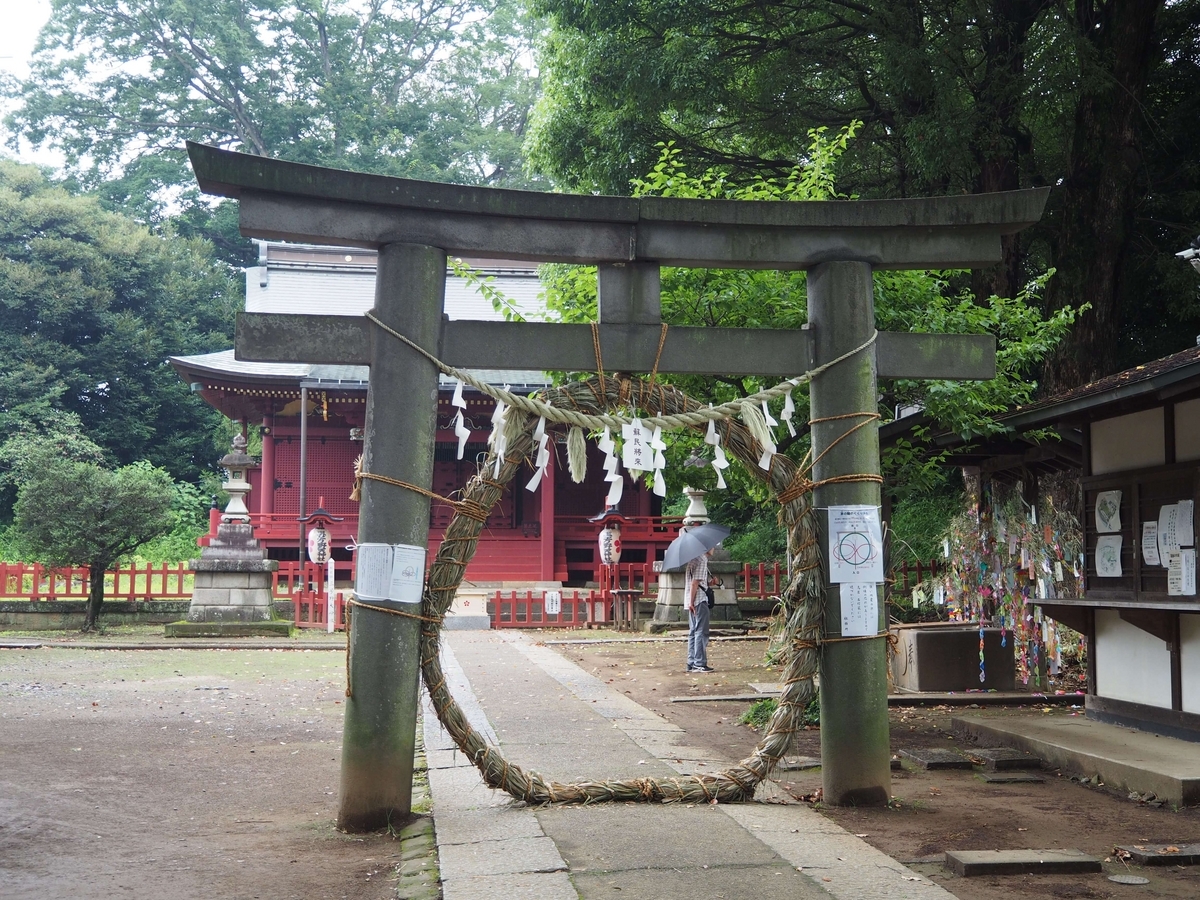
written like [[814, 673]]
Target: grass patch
[[760, 712]]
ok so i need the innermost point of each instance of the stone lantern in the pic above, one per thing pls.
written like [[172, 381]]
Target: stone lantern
[[237, 465], [668, 606], [231, 591], [697, 512]]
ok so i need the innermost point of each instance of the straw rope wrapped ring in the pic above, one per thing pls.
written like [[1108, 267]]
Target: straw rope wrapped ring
[[800, 613]]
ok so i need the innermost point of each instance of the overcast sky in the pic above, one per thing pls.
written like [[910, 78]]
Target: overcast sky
[[22, 21]]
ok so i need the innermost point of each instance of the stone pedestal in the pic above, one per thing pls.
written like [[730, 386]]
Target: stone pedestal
[[944, 656], [668, 607], [231, 594]]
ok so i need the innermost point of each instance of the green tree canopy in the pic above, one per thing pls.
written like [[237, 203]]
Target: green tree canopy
[[91, 305], [912, 301], [1095, 97], [71, 513], [433, 89]]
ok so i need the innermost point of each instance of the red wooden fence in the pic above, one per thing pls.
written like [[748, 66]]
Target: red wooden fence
[[305, 586], [625, 583], [907, 575], [33, 581]]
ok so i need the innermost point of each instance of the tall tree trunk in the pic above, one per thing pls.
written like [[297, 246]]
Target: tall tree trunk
[[95, 596], [1094, 208], [1003, 140]]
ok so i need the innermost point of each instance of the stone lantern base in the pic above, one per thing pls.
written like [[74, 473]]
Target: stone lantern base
[[231, 594]]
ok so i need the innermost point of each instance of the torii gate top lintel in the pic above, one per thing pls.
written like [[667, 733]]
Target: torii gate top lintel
[[294, 201]]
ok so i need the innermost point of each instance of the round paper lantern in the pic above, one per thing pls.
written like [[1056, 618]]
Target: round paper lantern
[[610, 544], [318, 545]]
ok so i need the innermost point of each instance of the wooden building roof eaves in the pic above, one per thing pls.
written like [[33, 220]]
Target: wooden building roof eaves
[[1148, 383], [225, 366], [1145, 382]]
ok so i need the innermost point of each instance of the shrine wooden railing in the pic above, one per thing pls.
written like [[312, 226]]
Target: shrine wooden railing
[[619, 588], [907, 576], [306, 586], [34, 582]]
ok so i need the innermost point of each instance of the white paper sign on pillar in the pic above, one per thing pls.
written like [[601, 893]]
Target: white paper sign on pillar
[[408, 573], [855, 545], [860, 609], [390, 572], [372, 571]]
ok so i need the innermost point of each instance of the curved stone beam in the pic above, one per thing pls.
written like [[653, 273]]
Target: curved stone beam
[[291, 201]]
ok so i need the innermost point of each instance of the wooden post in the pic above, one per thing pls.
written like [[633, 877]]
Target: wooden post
[[855, 754]]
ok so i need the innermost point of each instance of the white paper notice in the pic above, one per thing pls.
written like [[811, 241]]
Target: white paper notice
[[636, 453], [855, 545], [1168, 539], [1174, 563], [408, 573], [389, 572], [1188, 564], [1108, 511], [1183, 523], [860, 609], [1150, 544], [1108, 556]]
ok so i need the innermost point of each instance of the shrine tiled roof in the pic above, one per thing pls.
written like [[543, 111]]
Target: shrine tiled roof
[[1144, 380]]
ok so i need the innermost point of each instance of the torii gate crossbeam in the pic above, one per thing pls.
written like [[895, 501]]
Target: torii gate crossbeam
[[414, 225]]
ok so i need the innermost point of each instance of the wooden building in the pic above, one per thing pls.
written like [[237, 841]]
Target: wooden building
[[1134, 440], [539, 536]]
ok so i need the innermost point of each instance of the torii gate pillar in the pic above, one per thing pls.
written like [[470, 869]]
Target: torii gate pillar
[[383, 669], [855, 754]]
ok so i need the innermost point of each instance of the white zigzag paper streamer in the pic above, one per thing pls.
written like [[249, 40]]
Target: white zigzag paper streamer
[[789, 409], [461, 431]]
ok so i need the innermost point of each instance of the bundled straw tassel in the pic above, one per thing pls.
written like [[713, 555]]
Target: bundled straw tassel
[[756, 424], [356, 494], [515, 424], [577, 454]]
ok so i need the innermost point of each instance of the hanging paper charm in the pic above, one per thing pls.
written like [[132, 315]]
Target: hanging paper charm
[[498, 439], [542, 460], [719, 463], [461, 431], [658, 445], [789, 409], [635, 447], [616, 481]]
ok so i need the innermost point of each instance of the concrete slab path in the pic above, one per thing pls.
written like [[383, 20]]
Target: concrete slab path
[[1122, 757], [552, 717]]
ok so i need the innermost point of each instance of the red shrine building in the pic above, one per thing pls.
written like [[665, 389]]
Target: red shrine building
[[311, 421]]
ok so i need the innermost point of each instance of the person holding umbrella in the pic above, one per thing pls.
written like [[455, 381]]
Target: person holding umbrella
[[697, 599], [692, 548]]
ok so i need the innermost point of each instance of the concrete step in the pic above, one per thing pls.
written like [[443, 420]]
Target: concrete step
[[933, 758], [1163, 854], [969, 863]]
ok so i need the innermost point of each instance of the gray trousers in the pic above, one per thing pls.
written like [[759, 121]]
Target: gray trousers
[[698, 632]]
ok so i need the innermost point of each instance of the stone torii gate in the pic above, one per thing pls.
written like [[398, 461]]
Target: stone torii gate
[[414, 225]]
